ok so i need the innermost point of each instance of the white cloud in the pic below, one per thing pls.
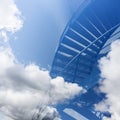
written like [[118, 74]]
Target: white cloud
[[48, 113], [4, 36], [110, 72], [22, 88], [10, 19], [9, 16]]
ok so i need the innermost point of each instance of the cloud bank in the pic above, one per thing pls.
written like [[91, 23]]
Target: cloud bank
[[26, 89], [110, 72], [22, 88]]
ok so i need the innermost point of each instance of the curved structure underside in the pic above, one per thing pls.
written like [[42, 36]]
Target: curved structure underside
[[85, 40]]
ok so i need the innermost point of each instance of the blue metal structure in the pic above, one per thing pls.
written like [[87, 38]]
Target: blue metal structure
[[85, 40]]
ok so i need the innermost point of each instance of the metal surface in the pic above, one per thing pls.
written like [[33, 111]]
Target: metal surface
[[82, 44]]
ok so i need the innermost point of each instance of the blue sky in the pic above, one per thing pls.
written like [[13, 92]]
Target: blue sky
[[44, 22], [29, 33]]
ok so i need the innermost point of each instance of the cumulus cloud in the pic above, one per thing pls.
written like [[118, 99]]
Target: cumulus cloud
[[48, 113], [110, 73], [10, 18], [25, 90], [22, 88]]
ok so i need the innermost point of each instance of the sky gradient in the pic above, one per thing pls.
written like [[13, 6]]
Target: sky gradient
[[29, 34], [44, 22]]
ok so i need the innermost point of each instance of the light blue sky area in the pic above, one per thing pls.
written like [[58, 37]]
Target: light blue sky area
[[44, 22], [0, 116]]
